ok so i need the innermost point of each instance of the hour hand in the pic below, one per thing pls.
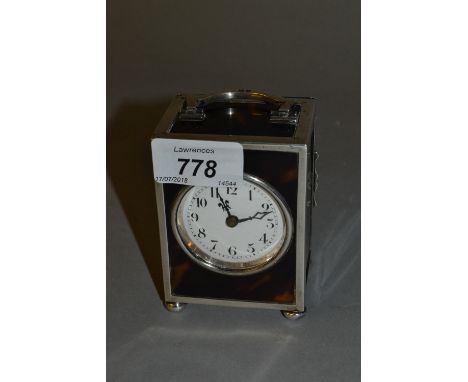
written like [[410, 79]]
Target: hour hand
[[224, 204], [257, 215]]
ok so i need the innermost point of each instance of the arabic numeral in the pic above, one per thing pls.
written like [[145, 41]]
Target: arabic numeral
[[201, 202], [210, 171], [266, 206], [182, 168], [194, 216], [263, 238], [201, 232], [214, 192], [199, 163], [214, 245], [232, 251], [251, 249]]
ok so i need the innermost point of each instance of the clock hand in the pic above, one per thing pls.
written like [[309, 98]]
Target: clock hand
[[224, 204], [231, 220], [257, 215]]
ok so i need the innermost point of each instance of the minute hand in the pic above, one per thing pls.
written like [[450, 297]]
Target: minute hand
[[224, 204], [257, 215]]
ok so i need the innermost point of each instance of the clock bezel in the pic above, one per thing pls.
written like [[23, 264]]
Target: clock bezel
[[200, 257]]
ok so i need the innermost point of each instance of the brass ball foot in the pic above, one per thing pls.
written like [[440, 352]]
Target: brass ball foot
[[174, 306], [293, 314]]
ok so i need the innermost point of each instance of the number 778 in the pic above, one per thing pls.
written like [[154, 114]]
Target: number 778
[[210, 170]]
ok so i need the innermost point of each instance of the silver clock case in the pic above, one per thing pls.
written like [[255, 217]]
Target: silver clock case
[[302, 144], [205, 260]]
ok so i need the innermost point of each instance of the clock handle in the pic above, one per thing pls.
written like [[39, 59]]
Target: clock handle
[[283, 111]]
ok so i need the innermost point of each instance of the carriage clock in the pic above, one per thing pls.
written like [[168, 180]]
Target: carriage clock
[[235, 180]]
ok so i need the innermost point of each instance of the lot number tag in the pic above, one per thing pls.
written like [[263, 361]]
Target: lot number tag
[[197, 163]]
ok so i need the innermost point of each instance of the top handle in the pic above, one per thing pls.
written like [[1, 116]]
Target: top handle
[[242, 96], [195, 107]]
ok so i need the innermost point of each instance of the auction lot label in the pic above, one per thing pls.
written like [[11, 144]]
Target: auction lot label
[[197, 163]]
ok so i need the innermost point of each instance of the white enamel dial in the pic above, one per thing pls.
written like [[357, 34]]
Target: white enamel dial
[[235, 230]]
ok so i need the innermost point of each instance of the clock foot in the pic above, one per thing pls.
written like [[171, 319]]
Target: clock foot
[[293, 314], [174, 306]]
